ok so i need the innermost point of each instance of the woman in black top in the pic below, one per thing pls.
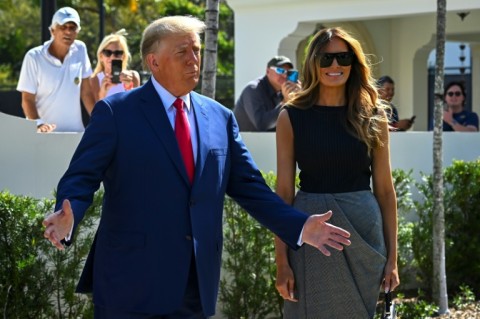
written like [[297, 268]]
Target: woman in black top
[[337, 134]]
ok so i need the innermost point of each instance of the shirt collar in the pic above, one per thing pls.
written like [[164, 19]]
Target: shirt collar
[[167, 97], [46, 45]]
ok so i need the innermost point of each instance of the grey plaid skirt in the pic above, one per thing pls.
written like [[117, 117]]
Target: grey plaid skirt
[[347, 283]]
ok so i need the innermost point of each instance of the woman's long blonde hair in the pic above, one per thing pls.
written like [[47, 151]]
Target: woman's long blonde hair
[[117, 37], [364, 115]]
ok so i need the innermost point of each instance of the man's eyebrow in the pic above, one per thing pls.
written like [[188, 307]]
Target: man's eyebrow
[[181, 46]]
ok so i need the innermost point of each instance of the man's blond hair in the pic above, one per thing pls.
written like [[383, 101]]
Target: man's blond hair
[[166, 26]]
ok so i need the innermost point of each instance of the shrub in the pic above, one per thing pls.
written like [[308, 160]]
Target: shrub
[[25, 282], [247, 289], [462, 222], [403, 181], [37, 280]]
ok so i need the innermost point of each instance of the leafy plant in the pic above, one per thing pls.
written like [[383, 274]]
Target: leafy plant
[[416, 309], [37, 280], [403, 181], [462, 221], [247, 289], [25, 282], [464, 298]]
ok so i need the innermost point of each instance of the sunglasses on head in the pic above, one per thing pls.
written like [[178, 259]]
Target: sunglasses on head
[[278, 70], [343, 58], [457, 93], [116, 53]]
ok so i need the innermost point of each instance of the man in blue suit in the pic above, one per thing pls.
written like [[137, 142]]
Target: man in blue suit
[[157, 251]]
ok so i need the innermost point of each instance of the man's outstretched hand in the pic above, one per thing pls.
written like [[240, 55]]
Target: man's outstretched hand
[[59, 224], [320, 234]]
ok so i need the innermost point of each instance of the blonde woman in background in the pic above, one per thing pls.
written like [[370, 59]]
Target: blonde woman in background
[[113, 47]]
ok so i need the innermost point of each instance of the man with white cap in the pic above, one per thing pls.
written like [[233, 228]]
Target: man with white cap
[[54, 77]]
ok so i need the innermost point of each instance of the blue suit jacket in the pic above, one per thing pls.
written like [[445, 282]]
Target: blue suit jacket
[[152, 218]]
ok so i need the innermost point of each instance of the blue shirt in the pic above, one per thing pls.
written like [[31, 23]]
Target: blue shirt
[[464, 118]]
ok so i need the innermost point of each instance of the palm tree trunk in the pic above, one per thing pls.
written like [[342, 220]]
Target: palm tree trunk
[[210, 52], [439, 288]]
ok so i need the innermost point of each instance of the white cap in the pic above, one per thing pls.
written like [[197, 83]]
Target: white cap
[[64, 15]]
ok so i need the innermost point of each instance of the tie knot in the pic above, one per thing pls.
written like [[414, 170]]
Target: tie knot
[[178, 104]]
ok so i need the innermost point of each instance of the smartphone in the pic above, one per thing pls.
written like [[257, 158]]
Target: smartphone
[[292, 75], [116, 70], [412, 119]]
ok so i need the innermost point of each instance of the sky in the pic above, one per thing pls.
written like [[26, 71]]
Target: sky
[[452, 54]]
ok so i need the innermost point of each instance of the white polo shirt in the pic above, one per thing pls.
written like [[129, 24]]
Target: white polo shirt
[[56, 85]]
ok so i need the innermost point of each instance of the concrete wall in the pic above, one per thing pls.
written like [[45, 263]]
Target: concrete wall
[[31, 163]]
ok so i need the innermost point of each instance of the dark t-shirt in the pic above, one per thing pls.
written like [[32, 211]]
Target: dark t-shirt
[[465, 118]]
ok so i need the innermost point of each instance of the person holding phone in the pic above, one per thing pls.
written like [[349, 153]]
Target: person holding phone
[[261, 101], [455, 117], [386, 91], [111, 74]]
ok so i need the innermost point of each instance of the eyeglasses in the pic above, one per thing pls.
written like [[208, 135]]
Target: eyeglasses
[[343, 59], [278, 70], [456, 93], [116, 53]]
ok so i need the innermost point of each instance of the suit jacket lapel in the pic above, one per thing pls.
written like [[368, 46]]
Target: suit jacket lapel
[[156, 116], [201, 116]]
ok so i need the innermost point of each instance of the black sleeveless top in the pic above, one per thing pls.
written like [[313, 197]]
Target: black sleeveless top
[[330, 159]]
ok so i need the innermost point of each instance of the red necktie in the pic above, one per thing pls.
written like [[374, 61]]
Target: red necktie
[[182, 133]]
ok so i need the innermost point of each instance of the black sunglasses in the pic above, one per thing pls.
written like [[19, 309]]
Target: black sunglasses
[[116, 53], [457, 93], [343, 58]]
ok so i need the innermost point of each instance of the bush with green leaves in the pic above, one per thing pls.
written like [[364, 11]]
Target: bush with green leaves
[[36, 279], [24, 279], [415, 308], [403, 181], [247, 289], [462, 222]]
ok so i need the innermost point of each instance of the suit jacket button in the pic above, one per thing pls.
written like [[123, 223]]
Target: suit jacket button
[[188, 237], [192, 202]]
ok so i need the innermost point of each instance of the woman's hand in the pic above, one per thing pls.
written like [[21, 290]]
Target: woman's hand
[[391, 279], [285, 282], [128, 78], [105, 85]]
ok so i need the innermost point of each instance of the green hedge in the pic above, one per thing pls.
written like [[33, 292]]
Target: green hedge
[[36, 280], [462, 226]]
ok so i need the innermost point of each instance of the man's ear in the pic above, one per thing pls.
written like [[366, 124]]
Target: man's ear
[[152, 62]]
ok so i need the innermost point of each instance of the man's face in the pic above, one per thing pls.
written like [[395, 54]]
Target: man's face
[[387, 91], [277, 75], [65, 34], [176, 63], [454, 97]]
